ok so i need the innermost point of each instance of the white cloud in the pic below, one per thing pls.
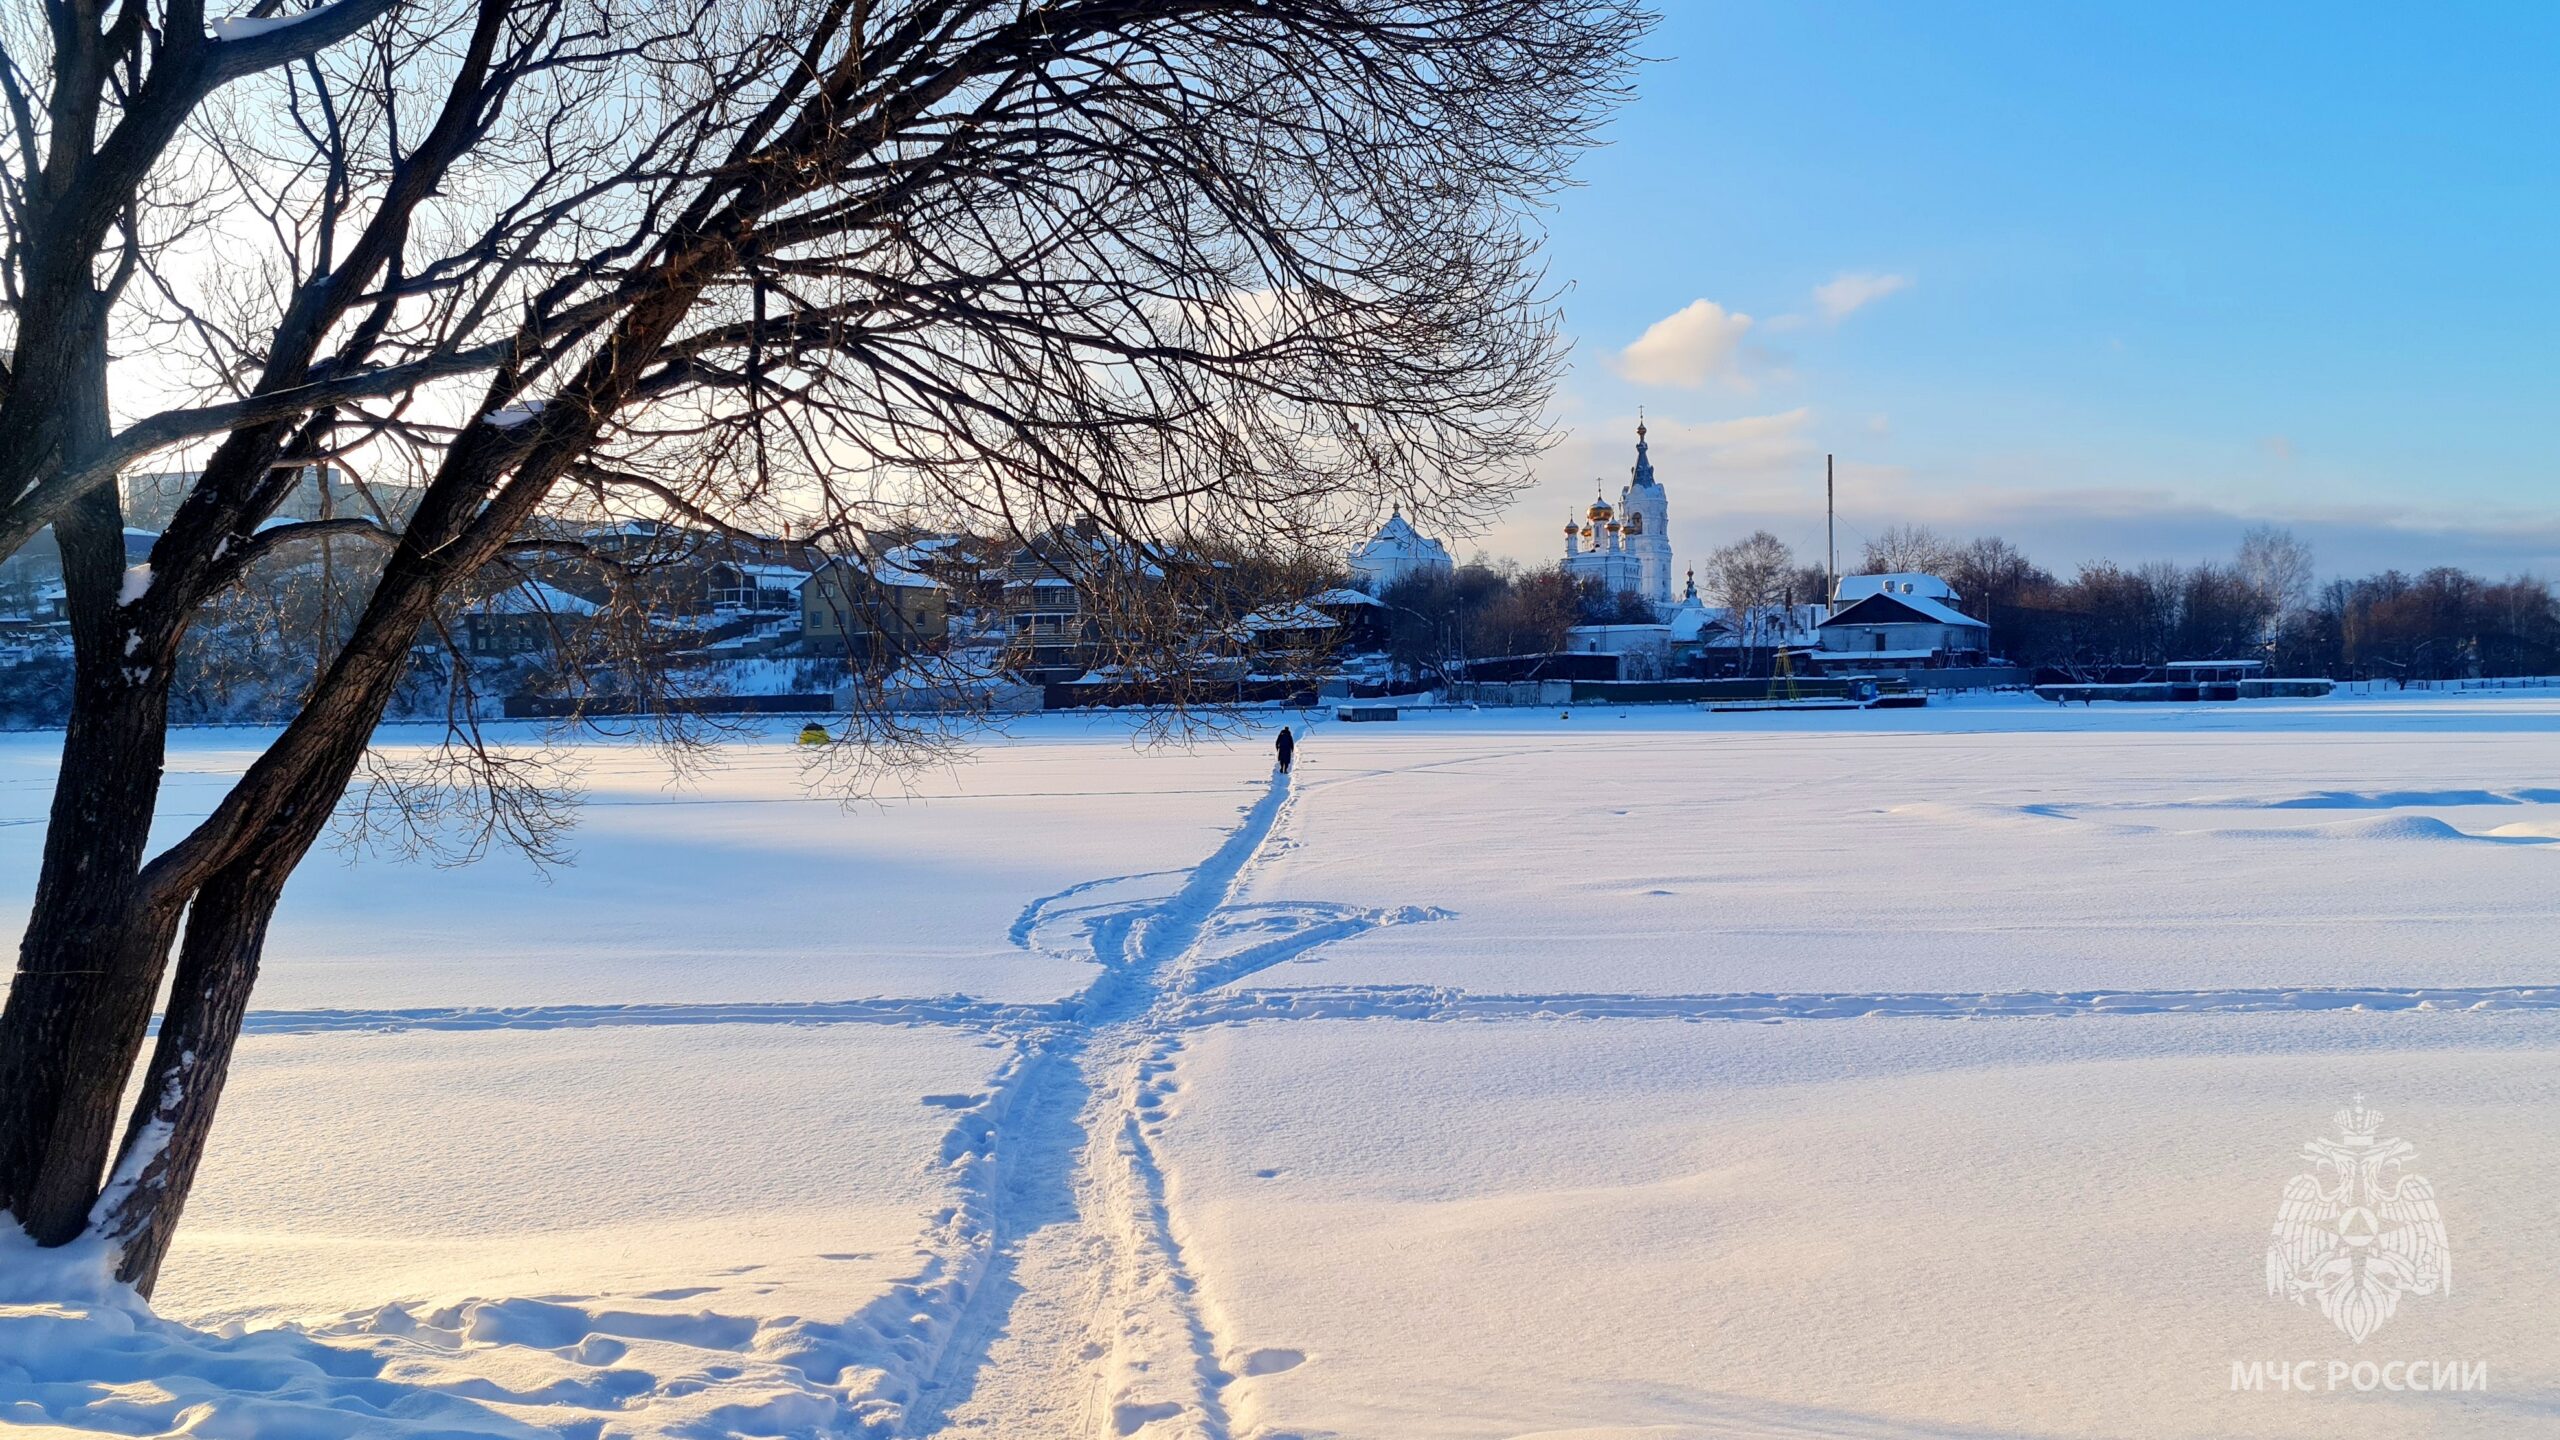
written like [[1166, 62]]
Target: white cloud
[[1754, 444], [1688, 348], [1844, 295]]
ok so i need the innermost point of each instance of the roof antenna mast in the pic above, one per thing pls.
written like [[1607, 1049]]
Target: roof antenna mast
[[1830, 540]]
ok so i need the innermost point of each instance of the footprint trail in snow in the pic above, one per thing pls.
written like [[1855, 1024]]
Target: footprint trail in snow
[[1082, 1318]]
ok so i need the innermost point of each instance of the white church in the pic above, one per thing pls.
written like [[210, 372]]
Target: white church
[[1396, 552], [1871, 620], [1626, 546]]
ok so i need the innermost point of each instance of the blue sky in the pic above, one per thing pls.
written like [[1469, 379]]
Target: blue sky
[[2112, 281]]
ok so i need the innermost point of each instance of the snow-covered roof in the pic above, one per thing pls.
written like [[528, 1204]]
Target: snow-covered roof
[[1717, 626], [1299, 616], [1693, 623], [1050, 549], [896, 568], [1398, 540], [1344, 597], [1879, 609], [1629, 626], [754, 570], [535, 598], [1898, 584], [906, 564]]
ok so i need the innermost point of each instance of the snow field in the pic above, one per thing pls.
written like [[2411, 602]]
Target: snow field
[[1973, 848], [1839, 1228], [736, 885], [1501, 1075]]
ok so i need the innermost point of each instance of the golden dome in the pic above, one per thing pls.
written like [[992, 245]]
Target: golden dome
[[1600, 511]]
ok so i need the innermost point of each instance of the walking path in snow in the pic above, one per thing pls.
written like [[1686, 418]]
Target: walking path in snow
[[1081, 1317]]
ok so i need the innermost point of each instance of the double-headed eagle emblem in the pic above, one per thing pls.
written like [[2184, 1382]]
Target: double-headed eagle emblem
[[2358, 1232]]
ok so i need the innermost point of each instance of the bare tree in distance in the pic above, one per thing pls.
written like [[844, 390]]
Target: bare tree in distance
[[1749, 578], [2277, 564], [1176, 270], [1808, 585], [1907, 549], [1990, 573]]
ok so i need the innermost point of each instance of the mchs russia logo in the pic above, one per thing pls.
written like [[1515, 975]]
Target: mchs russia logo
[[2357, 1231]]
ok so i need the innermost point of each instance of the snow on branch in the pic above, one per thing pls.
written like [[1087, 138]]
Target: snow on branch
[[245, 44]]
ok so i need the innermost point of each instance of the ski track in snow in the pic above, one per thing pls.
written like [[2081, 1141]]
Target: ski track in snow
[[952, 1010], [1055, 1297], [1417, 1002], [1442, 1003]]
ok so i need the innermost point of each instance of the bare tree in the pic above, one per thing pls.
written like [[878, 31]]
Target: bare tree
[[2277, 564], [1908, 549], [1749, 578], [1242, 269], [2221, 613], [1808, 585], [1990, 573]]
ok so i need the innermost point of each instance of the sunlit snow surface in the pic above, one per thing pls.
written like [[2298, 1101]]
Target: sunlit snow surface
[[1606, 1074]]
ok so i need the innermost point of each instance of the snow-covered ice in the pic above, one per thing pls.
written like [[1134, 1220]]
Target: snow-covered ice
[[1654, 1073], [1886, 1228], [743, 884], [2141, 847]]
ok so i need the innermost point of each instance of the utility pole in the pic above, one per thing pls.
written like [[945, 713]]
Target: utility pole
[[1830, 542]]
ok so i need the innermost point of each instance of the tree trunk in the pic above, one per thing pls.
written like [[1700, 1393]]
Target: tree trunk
[[165, 1141], [95, 948]]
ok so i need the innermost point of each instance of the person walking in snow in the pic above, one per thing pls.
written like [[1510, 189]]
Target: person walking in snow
[[1287, 745]]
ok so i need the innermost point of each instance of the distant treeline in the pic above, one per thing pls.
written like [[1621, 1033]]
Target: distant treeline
[[2261, 603]]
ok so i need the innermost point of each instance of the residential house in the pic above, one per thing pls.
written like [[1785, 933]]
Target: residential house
[[709, 580], [525, 619], [1900, 621], [872, 609], [1046, 602], [1320, 630]]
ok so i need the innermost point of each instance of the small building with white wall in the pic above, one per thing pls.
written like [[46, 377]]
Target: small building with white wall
[[1902, 619], [1643, 651]]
